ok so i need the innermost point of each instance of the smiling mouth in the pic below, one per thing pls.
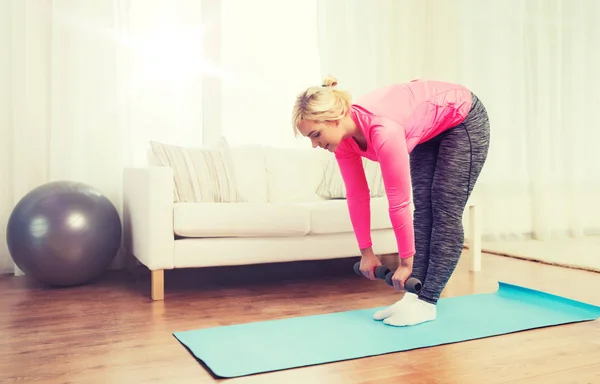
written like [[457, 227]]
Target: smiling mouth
[[327, 146]]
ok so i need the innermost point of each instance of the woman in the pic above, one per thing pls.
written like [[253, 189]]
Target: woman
[[430, 136]]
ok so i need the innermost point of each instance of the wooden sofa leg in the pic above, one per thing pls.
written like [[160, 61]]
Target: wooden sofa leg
[[474, 239], [158, 284]]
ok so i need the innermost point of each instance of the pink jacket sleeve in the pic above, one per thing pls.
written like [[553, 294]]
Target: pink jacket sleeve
[[357, 196], [389, 145]]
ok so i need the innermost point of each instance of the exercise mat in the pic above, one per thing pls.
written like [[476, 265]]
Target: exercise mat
[[257, 347]]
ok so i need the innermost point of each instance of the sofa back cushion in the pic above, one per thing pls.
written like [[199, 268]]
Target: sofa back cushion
[[201, 174], [250, 172], [332, 184], [258, 174], [293, 174]]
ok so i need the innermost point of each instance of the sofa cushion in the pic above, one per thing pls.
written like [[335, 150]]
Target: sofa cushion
[[201, 174], [249, 164], [293, 174], [239, 219], [332, 183], [332, 216]]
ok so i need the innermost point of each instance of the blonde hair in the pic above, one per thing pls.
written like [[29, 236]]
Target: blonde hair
[[322, 103]]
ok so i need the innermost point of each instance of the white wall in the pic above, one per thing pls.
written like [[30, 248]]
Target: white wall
[[85, 85], [5, 140]]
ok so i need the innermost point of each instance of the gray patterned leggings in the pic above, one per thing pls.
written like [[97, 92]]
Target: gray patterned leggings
[[443, 171]]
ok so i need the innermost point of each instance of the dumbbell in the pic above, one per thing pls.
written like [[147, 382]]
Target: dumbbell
[[412, 284], [380, 272]]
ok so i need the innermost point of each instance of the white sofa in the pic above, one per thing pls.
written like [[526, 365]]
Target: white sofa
[[282, 218]]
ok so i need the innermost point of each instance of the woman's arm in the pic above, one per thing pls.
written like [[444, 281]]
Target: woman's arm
[[357, 196], [389, 142]]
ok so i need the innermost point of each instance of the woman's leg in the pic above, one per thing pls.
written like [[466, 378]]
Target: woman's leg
[[462, 154], [423, 160]]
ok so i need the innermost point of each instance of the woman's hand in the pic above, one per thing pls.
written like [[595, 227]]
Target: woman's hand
[[402, 273], [368, 263]]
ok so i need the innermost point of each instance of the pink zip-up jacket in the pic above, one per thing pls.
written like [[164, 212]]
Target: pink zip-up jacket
[[394, 120]]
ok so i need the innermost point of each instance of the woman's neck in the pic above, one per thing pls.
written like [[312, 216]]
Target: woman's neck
[[351, 128], [353, 131]]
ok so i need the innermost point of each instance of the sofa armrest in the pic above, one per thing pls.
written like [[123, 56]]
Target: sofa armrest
[[148, 215]]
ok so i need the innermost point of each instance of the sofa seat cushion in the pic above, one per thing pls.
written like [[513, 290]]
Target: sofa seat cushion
[[332, 216], [239, 219]]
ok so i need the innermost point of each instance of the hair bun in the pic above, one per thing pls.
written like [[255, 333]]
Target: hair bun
[[330, 81]]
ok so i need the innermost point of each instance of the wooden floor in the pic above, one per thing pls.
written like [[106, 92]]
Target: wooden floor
[[110, 332]]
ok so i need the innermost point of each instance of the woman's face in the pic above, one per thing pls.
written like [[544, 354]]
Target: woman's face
[[326, 135]]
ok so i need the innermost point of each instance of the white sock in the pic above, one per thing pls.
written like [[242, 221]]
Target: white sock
[[412, 313], [389, 311]]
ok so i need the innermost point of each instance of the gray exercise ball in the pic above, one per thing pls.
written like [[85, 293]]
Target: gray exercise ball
[[64, 233]]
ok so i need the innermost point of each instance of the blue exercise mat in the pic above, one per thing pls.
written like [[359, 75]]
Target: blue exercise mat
[[251, 348]]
